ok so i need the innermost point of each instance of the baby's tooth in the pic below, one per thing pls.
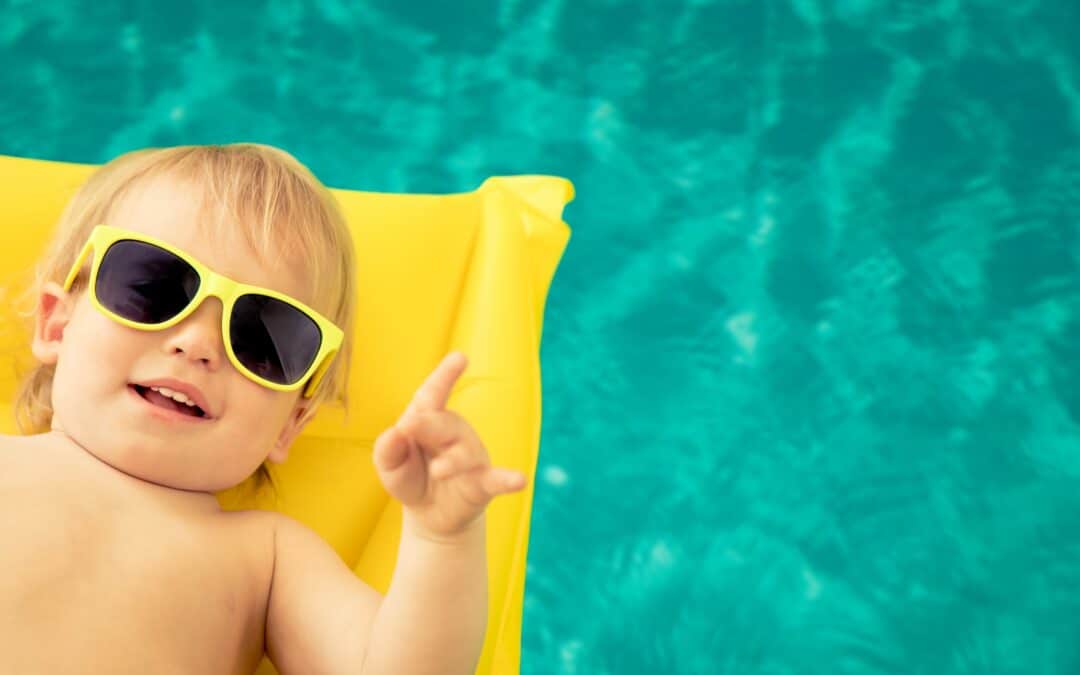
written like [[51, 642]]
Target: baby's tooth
[[174, 395]]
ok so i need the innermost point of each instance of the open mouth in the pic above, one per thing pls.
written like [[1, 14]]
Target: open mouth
[[162, 401]]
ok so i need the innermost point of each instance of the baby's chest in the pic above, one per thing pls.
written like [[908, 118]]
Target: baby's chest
[[112, 578]]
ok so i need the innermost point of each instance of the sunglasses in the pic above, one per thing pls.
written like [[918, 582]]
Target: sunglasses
[[145, 283]]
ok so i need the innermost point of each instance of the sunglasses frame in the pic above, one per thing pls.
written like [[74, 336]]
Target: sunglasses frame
[[211, 284]]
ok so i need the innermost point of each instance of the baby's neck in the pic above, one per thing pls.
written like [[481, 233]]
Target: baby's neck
[[70, 450]]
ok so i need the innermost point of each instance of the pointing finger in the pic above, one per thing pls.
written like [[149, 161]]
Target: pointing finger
[[434, 392]]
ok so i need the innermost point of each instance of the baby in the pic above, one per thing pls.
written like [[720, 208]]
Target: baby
[[192, 313]]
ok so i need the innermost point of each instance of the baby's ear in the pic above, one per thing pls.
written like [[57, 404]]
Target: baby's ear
[[52, 315], [295, 424]]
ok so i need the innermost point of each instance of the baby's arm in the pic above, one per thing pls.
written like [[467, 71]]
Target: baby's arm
[[319, 613], [321, 618], [434, 616]]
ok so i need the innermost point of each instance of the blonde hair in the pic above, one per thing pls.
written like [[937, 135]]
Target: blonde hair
[[282, 210]]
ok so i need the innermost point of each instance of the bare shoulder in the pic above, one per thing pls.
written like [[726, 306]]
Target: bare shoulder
[[320, 612], [9, 446], [250, 525], [16, 462], [9, 443], [285, 535], [24, 451]]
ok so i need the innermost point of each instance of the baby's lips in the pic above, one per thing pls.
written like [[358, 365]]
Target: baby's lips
[[185, 388]]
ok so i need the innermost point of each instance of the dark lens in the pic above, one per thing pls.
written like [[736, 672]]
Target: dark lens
[[272, 338], [144, 283]]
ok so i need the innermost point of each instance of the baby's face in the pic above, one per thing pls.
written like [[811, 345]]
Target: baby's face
[[98, 362]]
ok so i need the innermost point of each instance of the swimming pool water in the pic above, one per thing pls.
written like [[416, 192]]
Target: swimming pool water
[[811, 358]]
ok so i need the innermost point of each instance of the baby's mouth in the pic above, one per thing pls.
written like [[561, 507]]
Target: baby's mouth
[[163, 401]]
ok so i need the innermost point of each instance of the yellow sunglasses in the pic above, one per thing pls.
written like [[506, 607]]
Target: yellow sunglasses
[[144, 283]]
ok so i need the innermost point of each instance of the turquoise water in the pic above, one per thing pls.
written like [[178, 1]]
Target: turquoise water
[[811, 358]]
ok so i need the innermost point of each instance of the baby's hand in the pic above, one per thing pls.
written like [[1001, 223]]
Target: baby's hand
[[434, 463]]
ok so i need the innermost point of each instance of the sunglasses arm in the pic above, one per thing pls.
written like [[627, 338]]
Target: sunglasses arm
[[77, 266], [317, 376]]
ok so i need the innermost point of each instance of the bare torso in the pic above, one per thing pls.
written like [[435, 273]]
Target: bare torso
[[103, 573]]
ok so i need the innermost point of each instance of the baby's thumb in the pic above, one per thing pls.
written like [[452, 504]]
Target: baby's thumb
[[391, 449], [400, 473]]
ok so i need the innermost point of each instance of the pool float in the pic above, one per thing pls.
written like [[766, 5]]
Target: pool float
[[468, 272]]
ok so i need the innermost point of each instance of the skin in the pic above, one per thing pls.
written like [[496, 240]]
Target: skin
[[117, 557]]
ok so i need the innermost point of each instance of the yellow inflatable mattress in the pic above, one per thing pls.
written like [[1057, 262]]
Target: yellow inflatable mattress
[[466, 272]]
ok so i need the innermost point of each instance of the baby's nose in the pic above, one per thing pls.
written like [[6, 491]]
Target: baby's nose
[[198, 336]]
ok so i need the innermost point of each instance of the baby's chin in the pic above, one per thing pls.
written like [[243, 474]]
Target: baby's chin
[[158, 444], [132, 456]]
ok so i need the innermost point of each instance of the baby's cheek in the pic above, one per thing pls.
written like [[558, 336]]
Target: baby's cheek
[[96, 335], [91, 355], [268, 409]]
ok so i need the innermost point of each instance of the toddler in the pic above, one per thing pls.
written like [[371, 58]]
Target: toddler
[[192, 312]]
